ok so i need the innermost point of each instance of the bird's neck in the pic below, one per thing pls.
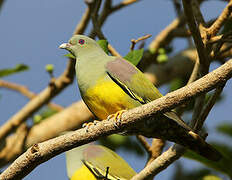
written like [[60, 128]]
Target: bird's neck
[[89, 67], [90, 52]]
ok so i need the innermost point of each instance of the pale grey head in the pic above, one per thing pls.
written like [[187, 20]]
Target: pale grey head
[[80, 45]]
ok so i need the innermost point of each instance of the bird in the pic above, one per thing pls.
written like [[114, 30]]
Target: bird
[[110, 85], [94, 162]]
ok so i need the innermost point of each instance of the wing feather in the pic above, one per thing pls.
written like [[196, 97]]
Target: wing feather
[[136, 85]]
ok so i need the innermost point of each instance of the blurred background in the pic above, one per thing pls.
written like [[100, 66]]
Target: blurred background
[[30, 34]]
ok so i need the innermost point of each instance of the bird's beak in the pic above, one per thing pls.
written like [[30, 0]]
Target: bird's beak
[[65, 46]]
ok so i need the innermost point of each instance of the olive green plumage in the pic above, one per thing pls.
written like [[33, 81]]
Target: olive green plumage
[[90, 162]]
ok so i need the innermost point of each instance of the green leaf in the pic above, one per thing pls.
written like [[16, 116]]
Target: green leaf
[[69, 55], [224, 165], [225, 129], [134, 56], [18, 68], [104, 45], [45, 113]]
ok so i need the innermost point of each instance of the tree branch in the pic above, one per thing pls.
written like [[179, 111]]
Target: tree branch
[[73, 116], [207, 108], [44, 96], [160, 163], [203, 57], [42, 152], [108, 9], [144, 143], [156, 149], [26, 92], [216, 26]]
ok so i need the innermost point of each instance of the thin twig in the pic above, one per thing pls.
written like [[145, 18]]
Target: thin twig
[[144, 143], [216, 26], [226, 37], [155, 149], [81, 26], [26, 92], [195, 72], [224, 50], [123, 4], [113, 51], [108, 9], [207, 108], [42, 152], [160, 163], [94, 7], [134, 41], [164, 36]]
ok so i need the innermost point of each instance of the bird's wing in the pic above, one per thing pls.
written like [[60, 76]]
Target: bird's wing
[[132, 80], [103, 162], [136, 85]]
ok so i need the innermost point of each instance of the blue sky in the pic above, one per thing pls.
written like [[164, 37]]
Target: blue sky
[[31, 32]]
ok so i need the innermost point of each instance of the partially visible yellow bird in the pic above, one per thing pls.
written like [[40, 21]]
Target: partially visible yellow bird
[[93, 162], [110, 84]]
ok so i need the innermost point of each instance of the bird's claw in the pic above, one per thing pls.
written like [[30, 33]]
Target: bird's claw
[[117, 117], [87, 125]]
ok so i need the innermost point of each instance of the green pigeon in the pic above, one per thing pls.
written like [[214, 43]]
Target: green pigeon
[[110, 84], [92, 162]]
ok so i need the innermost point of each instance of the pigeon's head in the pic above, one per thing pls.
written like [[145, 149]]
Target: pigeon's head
[[80, 45]]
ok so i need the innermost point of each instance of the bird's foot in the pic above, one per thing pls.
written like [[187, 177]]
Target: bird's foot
[[117, 117], [87, 125]]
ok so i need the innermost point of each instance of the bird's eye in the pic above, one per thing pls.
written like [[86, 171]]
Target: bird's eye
[[81, 41]]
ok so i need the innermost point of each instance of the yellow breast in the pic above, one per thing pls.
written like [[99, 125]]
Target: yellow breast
[[83, 174], [106, 98]]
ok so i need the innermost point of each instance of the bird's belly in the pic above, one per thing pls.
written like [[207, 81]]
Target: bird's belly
[[106, 98]]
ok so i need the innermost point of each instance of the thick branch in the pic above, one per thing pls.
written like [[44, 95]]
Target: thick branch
[[203, 58], [42, 152], [72, 117]]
